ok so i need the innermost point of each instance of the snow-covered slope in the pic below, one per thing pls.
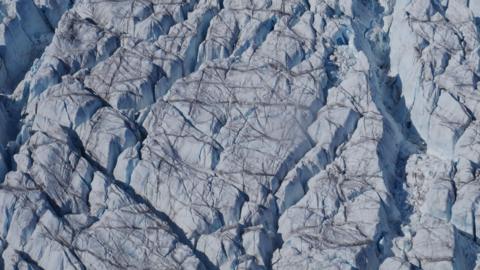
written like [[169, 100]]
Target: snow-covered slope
[[232, 134]]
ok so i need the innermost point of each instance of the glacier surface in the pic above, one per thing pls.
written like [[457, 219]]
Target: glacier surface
[[239, 134]]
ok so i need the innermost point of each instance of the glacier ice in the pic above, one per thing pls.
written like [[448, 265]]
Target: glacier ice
[[230, 134]]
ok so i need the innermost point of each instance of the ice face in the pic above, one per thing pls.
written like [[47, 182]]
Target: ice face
[[26, 28], [264, 134]]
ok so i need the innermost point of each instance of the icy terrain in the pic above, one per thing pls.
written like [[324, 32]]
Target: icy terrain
[[239, 134]]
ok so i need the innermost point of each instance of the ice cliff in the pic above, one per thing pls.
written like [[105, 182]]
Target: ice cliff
[[239, 134]]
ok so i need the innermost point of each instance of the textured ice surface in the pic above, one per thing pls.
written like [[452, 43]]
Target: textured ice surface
[[232, 134]]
